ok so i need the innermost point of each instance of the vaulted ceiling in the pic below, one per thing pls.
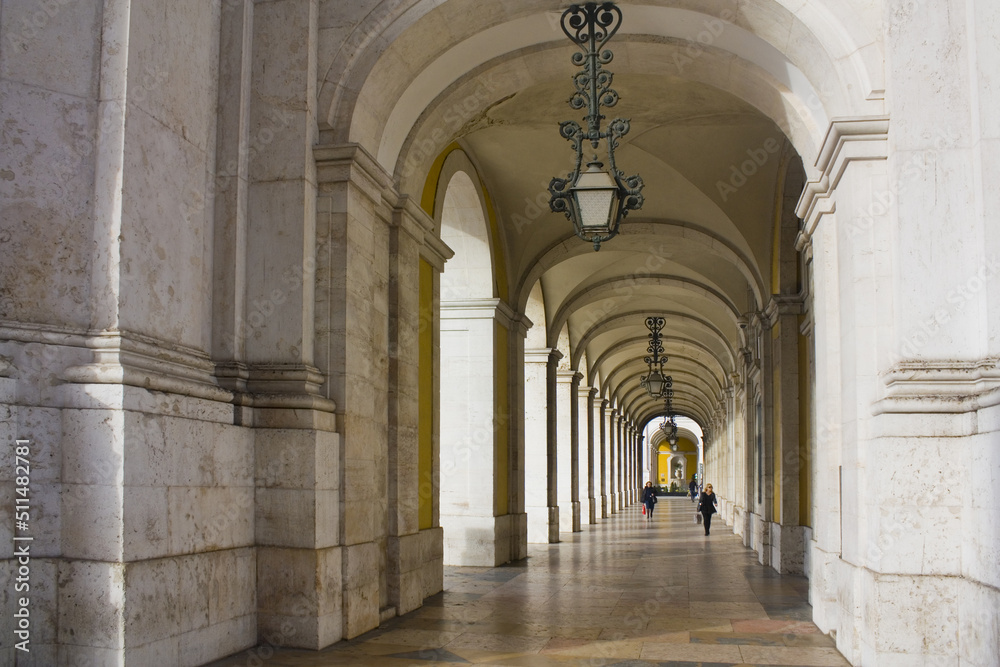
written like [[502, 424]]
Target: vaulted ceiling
[[721, 128]]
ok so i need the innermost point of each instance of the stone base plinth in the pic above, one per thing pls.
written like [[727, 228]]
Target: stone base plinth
[[787, 548], [299, 597], [419, 567], [182, 610], [543, 525], [479, 541]]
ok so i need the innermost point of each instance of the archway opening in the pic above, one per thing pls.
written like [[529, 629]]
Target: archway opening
[[473, 483]]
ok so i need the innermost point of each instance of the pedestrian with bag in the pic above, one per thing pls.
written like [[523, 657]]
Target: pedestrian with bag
[[708, 505], [693, 488], [648, 500]]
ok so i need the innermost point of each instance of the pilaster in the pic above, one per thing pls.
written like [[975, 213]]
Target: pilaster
[[591, 406], [541, 502], [476, 443], [352, 310], [612, 416], [604, 412], [567, 447]]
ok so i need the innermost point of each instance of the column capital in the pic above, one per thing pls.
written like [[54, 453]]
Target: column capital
[[570, 376], [542, 355], [847, 140], [478, 309], [783, 304], [350, 162], [520, 324]]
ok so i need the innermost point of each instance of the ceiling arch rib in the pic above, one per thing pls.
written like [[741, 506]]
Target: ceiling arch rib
[[693, 407], [639, 235], [690, 350], [681, 357], [822, 56], [613, 288], [645, 415], [644, 412], [633, 318], [685, 379], [629, 392], [658, 437], [633, 396]]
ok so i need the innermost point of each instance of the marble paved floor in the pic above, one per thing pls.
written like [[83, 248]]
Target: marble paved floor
[[625, 592]]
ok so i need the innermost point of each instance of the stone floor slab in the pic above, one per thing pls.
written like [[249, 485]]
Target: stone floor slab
[[622, 593]]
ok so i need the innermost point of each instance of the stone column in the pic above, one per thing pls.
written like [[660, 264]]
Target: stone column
[[612, 416], [633, 455], [654, 465], [475, 440], [567, 448], [590, 405], [786, 540], [414, 557], [628, 462], [620, 462], [518, 438], [636, 454], [604, 412], [639, 481], [539, 466]]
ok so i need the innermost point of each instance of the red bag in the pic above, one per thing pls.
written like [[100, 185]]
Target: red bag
[[644, 508]]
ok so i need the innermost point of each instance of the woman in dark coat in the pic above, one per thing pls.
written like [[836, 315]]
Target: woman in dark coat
[[649, 500], [707, 506]]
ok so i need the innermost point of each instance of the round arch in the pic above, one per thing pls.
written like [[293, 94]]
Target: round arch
[[395, 72]]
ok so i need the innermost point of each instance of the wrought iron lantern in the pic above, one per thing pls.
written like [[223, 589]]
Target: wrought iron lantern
[[595, 200], [655, 382], [669, 425]]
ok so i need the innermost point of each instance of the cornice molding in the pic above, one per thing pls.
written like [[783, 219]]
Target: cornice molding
[[940, 387], [847, 140], [129, 358]]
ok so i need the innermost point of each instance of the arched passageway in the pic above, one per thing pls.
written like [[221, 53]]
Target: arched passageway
[[291, 319]]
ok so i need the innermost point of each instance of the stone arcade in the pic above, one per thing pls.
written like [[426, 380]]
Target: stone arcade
[[288, 326]]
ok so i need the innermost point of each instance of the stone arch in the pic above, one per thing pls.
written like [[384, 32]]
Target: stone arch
[[469, 274], [475, 447], [396, 71], [637, 232]]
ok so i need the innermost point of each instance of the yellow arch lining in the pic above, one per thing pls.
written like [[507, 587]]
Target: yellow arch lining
[[429, 196]]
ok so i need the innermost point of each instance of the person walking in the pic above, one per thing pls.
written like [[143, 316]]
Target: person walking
[[693, 488], [649, 500], [707, 505]]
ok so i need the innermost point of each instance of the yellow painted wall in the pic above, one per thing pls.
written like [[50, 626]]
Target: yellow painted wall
[[776, 444], [426, 400], [501, 439], [664, 467], [805, 428], [690, 452]]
